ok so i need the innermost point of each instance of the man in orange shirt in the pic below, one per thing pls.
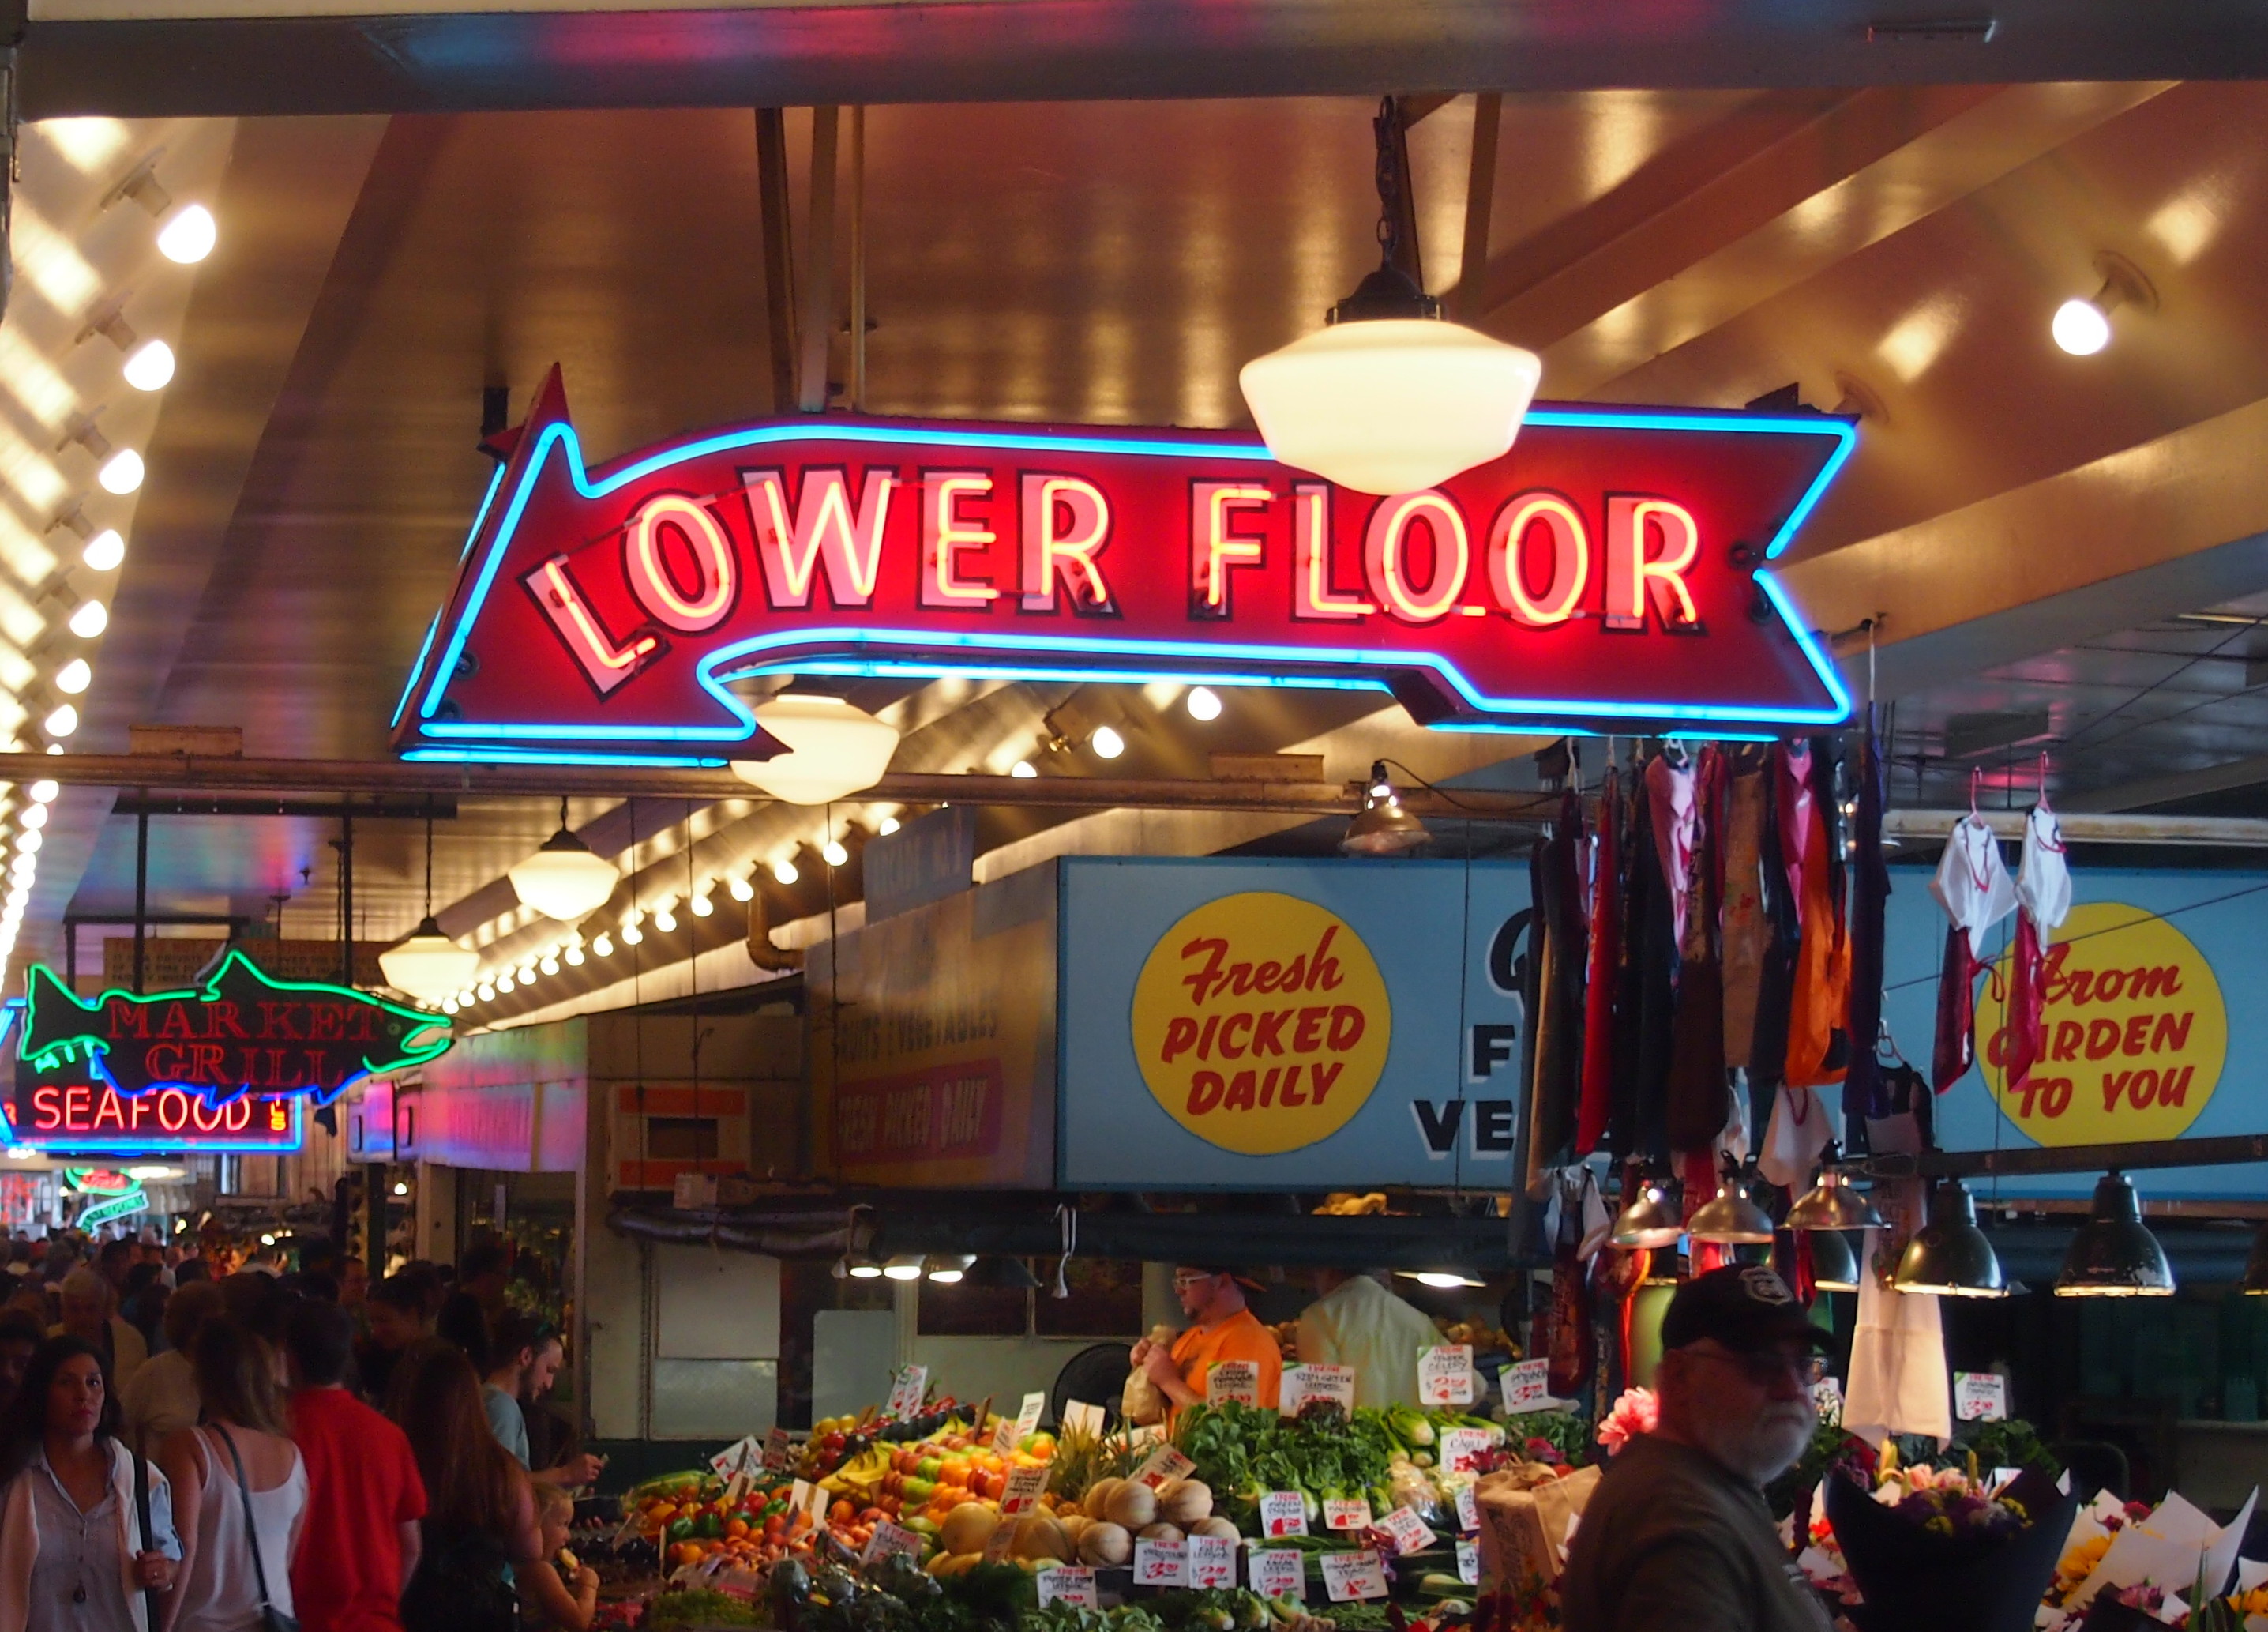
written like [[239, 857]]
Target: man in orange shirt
[[1224, 1329]]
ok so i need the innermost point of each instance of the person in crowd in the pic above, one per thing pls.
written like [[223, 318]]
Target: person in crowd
[[528, 1356], [240, 1488], [266, 1259], [319, 1285], [90, 1313], [319, 1255], [75, 1555], [469, 1315], [360, 1538], [1358, 1322], [143, 1306], [112, 1258], [1677, 1534], [191, 1269], [554, 1513], [162, 1398], [354, 1283], [482, 1537], [257, 1303], [61, 1258], [1222, 1328], [20, 1337], [28, 1297], [19, 1257], [398, 1318]]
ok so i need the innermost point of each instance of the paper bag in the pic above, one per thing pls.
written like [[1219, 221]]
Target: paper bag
[[1526, 1513]]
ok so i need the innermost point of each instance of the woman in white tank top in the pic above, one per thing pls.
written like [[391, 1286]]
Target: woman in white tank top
[[220, 1583]]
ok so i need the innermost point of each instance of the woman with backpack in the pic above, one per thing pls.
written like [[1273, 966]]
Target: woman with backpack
[[240, 1490]]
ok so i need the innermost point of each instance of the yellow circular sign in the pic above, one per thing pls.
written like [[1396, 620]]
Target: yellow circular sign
[[2132, 1033], [1260, 1023]]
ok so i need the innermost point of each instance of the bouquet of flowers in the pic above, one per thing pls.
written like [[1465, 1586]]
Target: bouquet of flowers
[[1939, 1547], [1634, 1413]]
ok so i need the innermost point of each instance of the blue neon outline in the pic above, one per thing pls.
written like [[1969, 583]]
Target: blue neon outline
[[564, 433], [410, 683]]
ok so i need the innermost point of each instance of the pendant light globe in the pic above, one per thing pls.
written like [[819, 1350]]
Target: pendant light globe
[[566, 879], [2114, 1254], [834, 750], [427, 964], [1949, 1256]]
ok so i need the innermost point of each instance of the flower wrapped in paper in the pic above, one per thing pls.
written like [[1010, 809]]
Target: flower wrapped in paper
[[1939, 1549]]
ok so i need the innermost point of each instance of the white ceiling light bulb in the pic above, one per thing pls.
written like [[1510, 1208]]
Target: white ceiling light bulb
[[105, 552], [1106, 741], [834, 853], [665, 916], [2081, 328], [486, 992], [92, 619], [574, 958], [504, 982], [1389, 396], [632, 935], [121, 473], [833, 749], [149, 366], [44, 791], [188, 235], [28, 844], [1022, 770], [889, 825], [701, 905], [565, 880], [739, 889], [62, 722], [35, 816], [74, 677], [449, 1005], [785, 871], [604, 945], [550, 963], [1204, 703]]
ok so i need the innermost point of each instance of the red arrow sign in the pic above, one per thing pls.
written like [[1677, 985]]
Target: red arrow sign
[[1608, 573]]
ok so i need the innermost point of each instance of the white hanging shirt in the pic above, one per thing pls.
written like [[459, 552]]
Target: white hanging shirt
[[2044, 877], [1972, 882]]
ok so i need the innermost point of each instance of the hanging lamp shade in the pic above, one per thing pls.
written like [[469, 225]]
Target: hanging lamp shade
[[1649, 1219], [1383, 828], [834, 750], [1002, 1273], [427, 964], [1730, 1218], [565, 880], [1949, 1256], [1831, 1204], [1834, 1262], [2114, 1254]]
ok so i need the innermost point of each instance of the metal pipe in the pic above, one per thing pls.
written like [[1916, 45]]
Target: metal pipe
[[819, 269], [1480, 203], [2106, 827], [859, 259], [2221, 1151], [779, 257], [141, 893]]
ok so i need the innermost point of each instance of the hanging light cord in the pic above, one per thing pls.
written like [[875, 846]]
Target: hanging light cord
[[429, 858], [1389, 182]]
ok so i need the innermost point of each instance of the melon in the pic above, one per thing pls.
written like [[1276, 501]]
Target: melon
[[1098, 1498], [1162, 1532], [1132, 1505], [1215, 1526], [1185, 1501], [1038, 1535], [968, 1528], [1105, 1545]]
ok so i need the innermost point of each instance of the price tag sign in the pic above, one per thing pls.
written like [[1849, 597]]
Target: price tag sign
[[1409, 1531], [1468, 1508], [1278, 1573], [906, 1393], [1079, 1417], [1469, 1562], [1163, 1466], [1445, 1375], [1526, 1385], [1025, 1485], [1284, 1513], [779, 1451], [889, 1539], [806, 1497], [1004, 1541], [1012, 1430], [736, 1487], [735, 1456], [1233, 1379], [1350, 1576], [1461, 1447], [1162, 1563], [1067, 1584], [1827, 1399], [1212, 1562], [1304, 1384], [1351, 1513], [1980, 1395]]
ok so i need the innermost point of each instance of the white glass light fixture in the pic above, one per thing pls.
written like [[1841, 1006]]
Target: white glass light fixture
[[833, 749], [121, 473], [188, 235], [74, 677], [739, 889], [889, 825], [106, 551], [785, 871], [701, 905], [833, 852], [89, 620], [2082, 327], [149, 366], [565, 880], [426, 963], [44, 791], [665, 916], [1203, 704], [1389, 396], [1023, 771], [1107, 742], [550, 964], [62, 722], [603, 944]]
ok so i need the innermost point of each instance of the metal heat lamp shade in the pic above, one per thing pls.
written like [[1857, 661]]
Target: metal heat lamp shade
[[2114, 1254], [1002, 1273], [1383, 828], [1731, 1218], [1949, 1256], [1650, 1220], [1831, 1204], [1834, 1263]]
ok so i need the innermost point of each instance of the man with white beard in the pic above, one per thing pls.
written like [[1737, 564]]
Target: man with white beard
[[1678, 1536]]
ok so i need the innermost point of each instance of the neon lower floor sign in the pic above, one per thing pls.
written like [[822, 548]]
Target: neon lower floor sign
[[1612, 572]]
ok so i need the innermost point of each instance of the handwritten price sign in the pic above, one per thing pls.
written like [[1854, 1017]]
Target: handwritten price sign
[[1409, 1531], [1445, 1375], [1233, 1379], [1212, 1562], [1012, 1430], [906, 1393], [1305, 1384], [1067, 1584], [1980, 1395], [1278, 1574], [1284, 1513], [1527, 1386], [1025, 1485], [1350, 1576], [1162, 1563]]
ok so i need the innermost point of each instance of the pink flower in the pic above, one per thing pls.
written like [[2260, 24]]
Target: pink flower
[[1634, 1413]]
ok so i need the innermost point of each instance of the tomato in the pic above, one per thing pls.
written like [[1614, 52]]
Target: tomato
[[736, 1527], [842, 1513]]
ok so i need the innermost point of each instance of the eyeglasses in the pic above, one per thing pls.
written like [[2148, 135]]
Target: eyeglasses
[[1197, 1279], [1764, 1368]]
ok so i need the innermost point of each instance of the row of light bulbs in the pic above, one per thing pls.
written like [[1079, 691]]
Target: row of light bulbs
[[1106, 741], [24, 865]]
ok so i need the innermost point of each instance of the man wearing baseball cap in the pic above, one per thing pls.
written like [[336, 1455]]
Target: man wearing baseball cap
[[1212, 1296], [1677, 1534]]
